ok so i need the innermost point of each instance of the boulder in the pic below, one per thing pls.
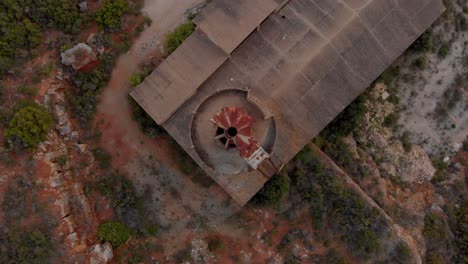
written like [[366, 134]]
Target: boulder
[[78, 56], [101, 253], [83, 6]]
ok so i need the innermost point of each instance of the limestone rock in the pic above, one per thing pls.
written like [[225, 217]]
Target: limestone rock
[[101, 253], [78, 56], [83, 6]]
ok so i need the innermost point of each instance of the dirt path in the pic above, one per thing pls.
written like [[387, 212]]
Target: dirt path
[[174, 197]]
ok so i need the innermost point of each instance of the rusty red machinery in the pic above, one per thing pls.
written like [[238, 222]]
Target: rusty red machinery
[[234, 130]]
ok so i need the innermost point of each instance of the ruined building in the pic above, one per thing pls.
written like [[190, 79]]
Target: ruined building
[[258, 79]]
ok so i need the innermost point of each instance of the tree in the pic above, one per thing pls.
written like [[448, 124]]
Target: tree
[[114, 232], [109, 15], [29, 126]]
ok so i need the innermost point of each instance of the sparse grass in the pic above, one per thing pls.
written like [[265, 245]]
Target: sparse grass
[[391, 120], [136, 79], [405, 141]]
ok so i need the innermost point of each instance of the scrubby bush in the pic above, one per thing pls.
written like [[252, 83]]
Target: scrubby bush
[[146, 124], [436, 236], [109, 15], [420, 63], [348, 120], [391, 120], [335, 207], [424, 43], [444, 50], [102, 156], [19, 246], [86, 87], [175, 38], [29, 126], [3, 93], [22, 21], [136, 79], [215, 244], [460, 23], [272, 192], [389, 75], [114, 232]]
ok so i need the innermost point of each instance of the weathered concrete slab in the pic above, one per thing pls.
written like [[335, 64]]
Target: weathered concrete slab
[[227, 23], [179, 76]]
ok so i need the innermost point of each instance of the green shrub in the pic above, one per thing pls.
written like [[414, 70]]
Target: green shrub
[[28, 127], [406, 142], [444, 50], [45, 70], [420, 63], [102, 156], [146, 124], [272, 192], [348, 120], [434, 258], [109, 15], [136, 79], [114, 232], [62, 160], [86, 87], [215, 244], [334, 207], [461, 24], [27, 90], [437, 237], [175, 38], [19, 246], [401, 254], [389, 75], [3, 93], [424, 43], [391, 120]]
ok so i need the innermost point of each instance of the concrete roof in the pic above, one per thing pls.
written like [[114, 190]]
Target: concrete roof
[[227, 23], [304, 65], [178, 77]]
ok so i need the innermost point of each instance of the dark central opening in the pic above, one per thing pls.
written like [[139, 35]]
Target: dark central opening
[[232, 131]]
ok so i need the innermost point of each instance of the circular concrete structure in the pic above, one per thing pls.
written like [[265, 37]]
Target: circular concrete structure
[[209, 139]]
